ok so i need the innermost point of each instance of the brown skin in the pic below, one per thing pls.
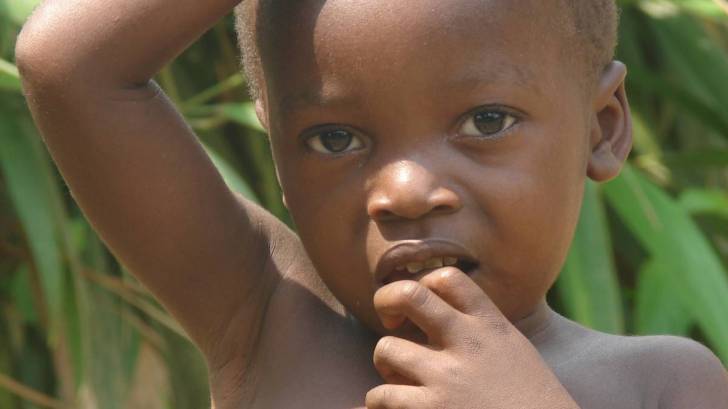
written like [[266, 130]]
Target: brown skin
[[241, 283]]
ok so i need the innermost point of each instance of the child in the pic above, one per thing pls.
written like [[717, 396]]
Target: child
[[433, 156]]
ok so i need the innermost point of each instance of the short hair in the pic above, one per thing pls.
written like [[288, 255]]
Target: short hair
[[593, 32]]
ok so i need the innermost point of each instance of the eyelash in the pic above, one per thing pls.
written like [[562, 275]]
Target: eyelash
[[509, 118], [314, 140]]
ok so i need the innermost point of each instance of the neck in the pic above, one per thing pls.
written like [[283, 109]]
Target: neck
[[534, 326]]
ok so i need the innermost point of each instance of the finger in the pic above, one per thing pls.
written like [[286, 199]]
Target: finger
[[459, 290], [416, 302], [396, 397], [397, 359]]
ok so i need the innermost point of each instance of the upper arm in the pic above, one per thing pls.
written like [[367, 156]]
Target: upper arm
[[137, 170], [695, 377]]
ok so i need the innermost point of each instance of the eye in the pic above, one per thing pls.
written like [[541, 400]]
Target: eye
[[487, 124], [334, 141]]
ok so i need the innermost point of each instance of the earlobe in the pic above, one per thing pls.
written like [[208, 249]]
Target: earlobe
[[611, 133]]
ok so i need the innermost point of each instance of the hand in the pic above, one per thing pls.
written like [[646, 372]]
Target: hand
[[475, 358]]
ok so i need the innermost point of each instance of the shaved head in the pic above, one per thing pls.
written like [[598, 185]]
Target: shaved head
[[589, 29]]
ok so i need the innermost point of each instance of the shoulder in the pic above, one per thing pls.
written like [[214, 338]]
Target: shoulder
[[672, 371], [688, 373], [659, 371]]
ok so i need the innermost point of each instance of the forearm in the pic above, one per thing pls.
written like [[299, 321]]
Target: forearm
[[120, 43], [136, 168]]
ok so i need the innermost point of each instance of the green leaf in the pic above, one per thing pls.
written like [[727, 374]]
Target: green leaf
[[17, 10], [588, 283], [27, 171], [670, 236], [699, 8], [697, 63], [240, 113], [9, 79], [695, 159], [696, 201], [22, 296], [657, 310], [231, 177], [243, 114]]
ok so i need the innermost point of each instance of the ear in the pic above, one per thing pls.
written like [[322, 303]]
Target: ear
[[262, 113], [611, 132]]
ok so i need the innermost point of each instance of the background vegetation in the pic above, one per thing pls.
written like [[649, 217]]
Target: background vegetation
[[76, 330]]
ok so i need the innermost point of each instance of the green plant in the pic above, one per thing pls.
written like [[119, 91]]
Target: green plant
[[649, 256]]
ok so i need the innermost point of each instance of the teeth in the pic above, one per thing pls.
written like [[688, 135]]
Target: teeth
[[415, 267], [433, 263]]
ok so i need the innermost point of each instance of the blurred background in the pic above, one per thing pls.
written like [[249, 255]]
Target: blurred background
[[650, 256]]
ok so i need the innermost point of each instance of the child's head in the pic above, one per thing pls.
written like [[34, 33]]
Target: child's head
[[470, 125]]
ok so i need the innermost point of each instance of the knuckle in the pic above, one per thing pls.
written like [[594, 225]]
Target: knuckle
[[440, 278], [450, 274], [383, 348], [377, 397], [415, 293]]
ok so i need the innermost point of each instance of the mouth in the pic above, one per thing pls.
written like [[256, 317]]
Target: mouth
[[412, 260]]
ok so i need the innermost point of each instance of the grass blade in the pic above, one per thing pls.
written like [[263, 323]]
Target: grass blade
[[23, 165], [656, 311], [667, 232], [9, 79], [588, 283]]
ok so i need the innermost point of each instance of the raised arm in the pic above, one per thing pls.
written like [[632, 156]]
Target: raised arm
[[135, 167]]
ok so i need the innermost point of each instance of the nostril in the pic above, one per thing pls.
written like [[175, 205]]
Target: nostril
[[384, 215], [442, 209]]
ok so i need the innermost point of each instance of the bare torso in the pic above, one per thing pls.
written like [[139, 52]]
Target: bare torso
[[326, 362]]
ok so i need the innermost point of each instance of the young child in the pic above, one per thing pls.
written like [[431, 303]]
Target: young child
[[433, 156]]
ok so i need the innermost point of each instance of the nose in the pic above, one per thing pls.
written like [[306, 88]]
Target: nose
[[407, 190]]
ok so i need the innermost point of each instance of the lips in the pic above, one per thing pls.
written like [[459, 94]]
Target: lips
[[412, 259]]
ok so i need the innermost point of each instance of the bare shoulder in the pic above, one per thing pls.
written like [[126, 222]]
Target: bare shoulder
[[689, 374], [660, 372]]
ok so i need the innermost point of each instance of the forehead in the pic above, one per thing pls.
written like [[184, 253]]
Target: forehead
[[322, 51]]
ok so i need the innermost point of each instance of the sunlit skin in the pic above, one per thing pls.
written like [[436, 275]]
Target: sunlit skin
[[402, 131], [511, 199]]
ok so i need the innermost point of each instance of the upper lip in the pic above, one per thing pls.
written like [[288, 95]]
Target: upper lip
[[417, 251]]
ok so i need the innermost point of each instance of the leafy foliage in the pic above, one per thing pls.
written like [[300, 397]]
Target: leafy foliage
[[650, 253]]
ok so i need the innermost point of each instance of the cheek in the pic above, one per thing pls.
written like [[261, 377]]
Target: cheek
[[326, 205], [534, 206]]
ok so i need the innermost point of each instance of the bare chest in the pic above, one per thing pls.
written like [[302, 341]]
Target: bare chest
[[329, 367], [326, 363], [339, 376]]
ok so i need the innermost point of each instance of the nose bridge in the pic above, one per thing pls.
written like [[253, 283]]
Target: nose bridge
[[409, 189]]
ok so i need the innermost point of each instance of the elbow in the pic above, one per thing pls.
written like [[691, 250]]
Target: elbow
[[45, 55], [37, 66], [24, 54]]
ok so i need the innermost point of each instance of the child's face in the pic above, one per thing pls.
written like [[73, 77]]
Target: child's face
[[454, 121]]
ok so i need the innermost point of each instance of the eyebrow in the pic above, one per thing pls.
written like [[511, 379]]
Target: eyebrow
[[510, 73], [315, 98], [467, 79]]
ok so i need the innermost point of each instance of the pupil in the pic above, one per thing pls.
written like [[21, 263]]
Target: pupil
[[489, 122], [336, 141]]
